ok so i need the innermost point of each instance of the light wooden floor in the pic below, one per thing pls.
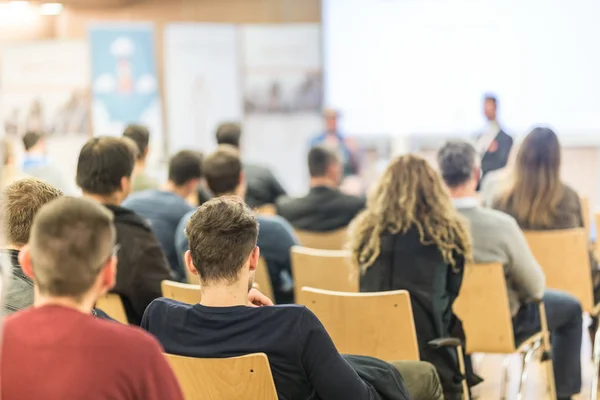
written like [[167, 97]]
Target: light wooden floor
[[490, 368]]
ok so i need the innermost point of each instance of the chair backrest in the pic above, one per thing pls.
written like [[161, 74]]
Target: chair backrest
[[585, 210], [483, 307], [266, 209], [182, 292], [241, 378], [323, 269], [334, 240], [564, 257], [112, 305], [263, 279], [379, 325]]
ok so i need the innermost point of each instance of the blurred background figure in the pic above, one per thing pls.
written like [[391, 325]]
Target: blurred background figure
[[10, 170], [141, 137], [37, 164]]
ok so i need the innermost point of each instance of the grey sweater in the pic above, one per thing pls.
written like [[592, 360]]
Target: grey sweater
[[497, 238]]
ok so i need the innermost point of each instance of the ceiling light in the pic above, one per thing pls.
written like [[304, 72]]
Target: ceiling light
[[51, 8]]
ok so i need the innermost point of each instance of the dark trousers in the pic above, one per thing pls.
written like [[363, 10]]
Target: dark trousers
[[564, 316]]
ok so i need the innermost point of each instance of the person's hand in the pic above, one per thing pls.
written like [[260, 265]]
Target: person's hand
[[257, 299]]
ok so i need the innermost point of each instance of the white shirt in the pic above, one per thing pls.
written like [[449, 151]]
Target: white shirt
[[486, 139]]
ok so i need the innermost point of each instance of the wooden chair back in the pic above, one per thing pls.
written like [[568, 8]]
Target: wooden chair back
[[334, 240], [263, 279], [241, 378], [112, 305], [488, 323], [586, 212], [323, 269], [267, 209], [379, 325], [182, 292], [564, 256]]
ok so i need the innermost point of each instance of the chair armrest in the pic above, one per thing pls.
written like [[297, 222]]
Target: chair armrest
[[445, 342]]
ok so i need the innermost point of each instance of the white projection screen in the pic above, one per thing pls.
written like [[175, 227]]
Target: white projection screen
[[422, 66]]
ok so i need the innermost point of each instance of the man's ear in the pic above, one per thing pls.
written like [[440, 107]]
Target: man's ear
[[25, 262], [254, 256], [189, 263], [109, 274]]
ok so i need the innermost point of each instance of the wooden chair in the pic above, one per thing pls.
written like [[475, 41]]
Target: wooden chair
[[266, 209], [585, 210], [323, 269], [263, 279], [378, 324], [182, 292], [241, 378], [112, 305], [334, 240], [488, 324]]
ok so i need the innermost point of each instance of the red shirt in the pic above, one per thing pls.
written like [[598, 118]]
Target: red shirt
[[58, 353]]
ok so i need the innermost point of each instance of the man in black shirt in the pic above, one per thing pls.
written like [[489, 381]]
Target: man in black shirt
[[229, 321]]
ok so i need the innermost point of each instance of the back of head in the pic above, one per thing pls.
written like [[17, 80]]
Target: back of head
[[535, 189], [103, 162], [409, 194], [320, 159], [185, 166], [30, 139], [457, 161], [140, 135], [222, 170], [71, 241], [22, 200], [229, 133], [222, 234]]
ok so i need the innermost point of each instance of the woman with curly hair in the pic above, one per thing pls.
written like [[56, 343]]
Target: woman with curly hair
[[410, 237]]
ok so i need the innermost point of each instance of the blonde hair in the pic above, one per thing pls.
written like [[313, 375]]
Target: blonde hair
[[409, 194]]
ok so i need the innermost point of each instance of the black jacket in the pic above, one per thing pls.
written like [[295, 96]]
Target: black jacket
[[497, 159], [322, 209], [142, 265], [262, 186], [405, 263]]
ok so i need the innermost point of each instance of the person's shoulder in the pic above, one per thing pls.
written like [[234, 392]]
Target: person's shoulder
[[357, 201], [491, 217], [275, 224], [569, 192], [127, 338], [162, 303]]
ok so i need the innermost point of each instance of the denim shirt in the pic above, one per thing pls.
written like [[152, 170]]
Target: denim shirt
[[19, 291]]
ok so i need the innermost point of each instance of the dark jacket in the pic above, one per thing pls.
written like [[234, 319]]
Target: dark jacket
[[405, 263], [497, 159], [322, 209], [142, 264], [262, 186]]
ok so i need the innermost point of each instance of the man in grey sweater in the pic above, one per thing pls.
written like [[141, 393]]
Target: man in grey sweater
[[497, 238]]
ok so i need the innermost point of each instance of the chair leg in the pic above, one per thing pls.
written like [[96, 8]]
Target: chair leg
[[596, 358], [504, 382], [525, 359], [461, 365], [547, 353]]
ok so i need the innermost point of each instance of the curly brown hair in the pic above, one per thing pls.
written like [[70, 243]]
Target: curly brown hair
[[410, 193]]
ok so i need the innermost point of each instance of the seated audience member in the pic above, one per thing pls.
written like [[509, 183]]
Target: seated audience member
[[537, 197], [262, 186], [232, 320], [325, 207], [165, 208], [37, 164], [141, 137], [104, 174], [10, 172], [224, 177], [56, 350], [497, 238], [22, 200], [409, 237]]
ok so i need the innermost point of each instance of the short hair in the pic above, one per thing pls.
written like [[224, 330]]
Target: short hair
[[457, 160], [490, 97], [185, 166], [71, 240], [140, 136], [31, 138], [22, 200], [103, 162], [229, 133], [222, 233], [319, 160], [222, 170]]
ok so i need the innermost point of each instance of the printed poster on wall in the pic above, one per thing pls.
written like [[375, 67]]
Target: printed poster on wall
[[124, 80], [201, 81]]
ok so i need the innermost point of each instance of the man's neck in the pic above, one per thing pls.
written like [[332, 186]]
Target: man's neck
[[180, 191], [140, 165], [85, 305], [223, 295], [462, 192], [110, 200], [318, 181], [12, 246], [35, 153]]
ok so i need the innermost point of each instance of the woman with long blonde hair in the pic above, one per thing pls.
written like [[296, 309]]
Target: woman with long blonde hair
[[410, 237]]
